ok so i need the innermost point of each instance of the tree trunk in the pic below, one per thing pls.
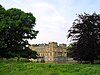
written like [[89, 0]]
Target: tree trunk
[[92, 61], [18, 58]]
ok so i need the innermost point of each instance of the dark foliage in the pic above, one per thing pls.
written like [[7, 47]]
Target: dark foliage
[[16, 27], [86, 33]]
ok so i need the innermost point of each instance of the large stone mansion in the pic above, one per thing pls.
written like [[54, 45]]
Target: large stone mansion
[[51, 52]]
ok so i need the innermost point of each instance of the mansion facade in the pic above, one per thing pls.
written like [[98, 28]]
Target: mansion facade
[[51, 52]]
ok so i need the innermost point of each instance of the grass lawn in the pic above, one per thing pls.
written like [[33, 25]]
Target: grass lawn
[[29, 68]]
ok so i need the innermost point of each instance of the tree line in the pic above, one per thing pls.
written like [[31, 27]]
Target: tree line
[[16, 27]]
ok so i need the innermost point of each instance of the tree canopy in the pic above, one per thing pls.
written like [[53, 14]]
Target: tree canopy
[[16, 27], [85, 34]]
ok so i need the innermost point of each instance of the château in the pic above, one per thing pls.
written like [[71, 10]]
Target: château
[[51, 52]]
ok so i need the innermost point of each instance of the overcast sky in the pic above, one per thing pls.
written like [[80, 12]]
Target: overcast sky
[[53, 17]]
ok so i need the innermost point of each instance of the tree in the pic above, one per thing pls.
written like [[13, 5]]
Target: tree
[[16, 27], [3, 52], [85, 34], [69, 51], [28, 53]]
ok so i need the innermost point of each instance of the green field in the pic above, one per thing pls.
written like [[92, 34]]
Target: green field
[[29, 68]]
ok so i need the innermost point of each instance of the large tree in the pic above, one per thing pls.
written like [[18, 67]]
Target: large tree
[[16, 27], [85, 33]]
